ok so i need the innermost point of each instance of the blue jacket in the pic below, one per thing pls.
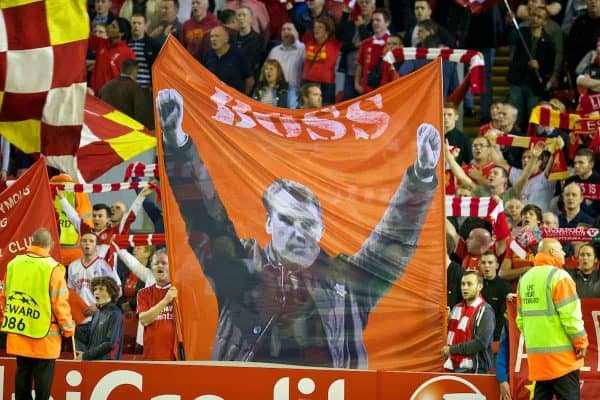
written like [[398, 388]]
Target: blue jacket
[[502, 357]]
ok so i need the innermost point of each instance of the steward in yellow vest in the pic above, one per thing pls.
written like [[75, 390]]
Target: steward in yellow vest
[[549, 317], [36, 314]]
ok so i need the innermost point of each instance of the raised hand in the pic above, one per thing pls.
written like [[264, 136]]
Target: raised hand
[[429, 146], [170, 112]]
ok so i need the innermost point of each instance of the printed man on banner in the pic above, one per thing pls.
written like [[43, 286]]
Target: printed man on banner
[[290, 302]]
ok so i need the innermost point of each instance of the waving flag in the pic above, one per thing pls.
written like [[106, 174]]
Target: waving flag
[[42, 74], [108, 138]]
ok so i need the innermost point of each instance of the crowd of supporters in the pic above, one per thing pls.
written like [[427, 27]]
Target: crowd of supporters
[[314, 53]]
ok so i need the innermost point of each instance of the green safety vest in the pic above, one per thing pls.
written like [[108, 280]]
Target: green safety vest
[[68, 233], [543, 329], [28, 310]]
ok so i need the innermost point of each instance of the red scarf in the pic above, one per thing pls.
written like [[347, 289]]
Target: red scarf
[[460, 330]]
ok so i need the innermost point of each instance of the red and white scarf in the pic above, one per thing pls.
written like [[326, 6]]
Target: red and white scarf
[[471, 57], [463, 319], [480, 207]]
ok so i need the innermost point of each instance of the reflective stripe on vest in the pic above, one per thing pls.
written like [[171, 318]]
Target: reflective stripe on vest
[[540, 316], [68, 233], [28, 310]]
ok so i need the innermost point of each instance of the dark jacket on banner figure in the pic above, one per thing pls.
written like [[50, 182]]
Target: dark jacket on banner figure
[[291, 302]]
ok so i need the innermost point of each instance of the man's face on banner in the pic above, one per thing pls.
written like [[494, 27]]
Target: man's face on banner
[[295, 228]]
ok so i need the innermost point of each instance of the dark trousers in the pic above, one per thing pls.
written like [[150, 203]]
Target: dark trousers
[[565, 387], [30, 370]]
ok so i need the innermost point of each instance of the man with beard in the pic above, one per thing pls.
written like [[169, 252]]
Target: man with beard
[[290, 54], [470, 330], [290, 302]]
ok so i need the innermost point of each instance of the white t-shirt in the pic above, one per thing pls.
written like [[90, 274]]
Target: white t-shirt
[[538, 190], [79, 277]]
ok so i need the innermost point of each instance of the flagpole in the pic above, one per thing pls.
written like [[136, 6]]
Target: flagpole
[[523, 42]]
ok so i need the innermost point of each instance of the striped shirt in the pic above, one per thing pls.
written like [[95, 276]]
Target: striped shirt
[[143, 76]]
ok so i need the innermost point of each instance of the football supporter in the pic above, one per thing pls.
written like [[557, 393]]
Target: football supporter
[[104, 341], [155, 311]]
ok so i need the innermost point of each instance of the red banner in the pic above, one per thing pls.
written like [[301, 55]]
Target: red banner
[[24, 207], [571, 234], [135, 380], [306, 236], [522, 387]]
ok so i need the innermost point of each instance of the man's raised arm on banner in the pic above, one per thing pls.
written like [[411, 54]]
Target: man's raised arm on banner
[[389, 248], [187, 173]]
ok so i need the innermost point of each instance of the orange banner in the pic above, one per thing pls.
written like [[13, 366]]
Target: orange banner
[[24, 207], [307, 237]]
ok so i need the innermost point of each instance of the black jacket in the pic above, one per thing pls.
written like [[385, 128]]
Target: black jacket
[[494, 292], [519, 73], [454, 274], [104, 340], [281, 91], [587, 285], [345, 32]]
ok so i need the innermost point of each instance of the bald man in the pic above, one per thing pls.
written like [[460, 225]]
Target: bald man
[[227, 62], [36, 315], [478, 242], [549, 317], [573, 215]]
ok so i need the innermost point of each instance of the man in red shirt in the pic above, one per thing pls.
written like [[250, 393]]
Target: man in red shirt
[[110, 53], [371, 50], [155, 311], [194, 29]]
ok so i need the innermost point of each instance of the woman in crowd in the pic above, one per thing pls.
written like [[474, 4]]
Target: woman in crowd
[[272, 87], [322, 52]]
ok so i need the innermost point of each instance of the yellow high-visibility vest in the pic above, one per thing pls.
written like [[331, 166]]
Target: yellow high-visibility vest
[[28, 310], [68, 233]]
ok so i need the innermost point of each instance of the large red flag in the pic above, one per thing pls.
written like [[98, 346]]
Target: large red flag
[[25, 206]]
